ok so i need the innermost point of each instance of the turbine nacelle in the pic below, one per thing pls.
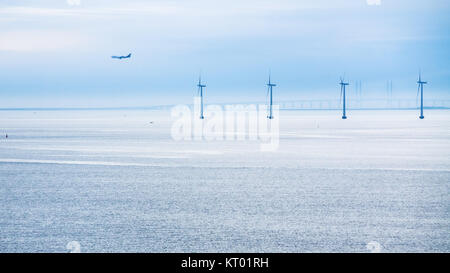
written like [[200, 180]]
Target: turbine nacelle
[[270, 84], [420, 79], [344, 83], [200, 82]]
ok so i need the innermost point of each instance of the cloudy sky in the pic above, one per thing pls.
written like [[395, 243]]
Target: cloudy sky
[[56, 53]]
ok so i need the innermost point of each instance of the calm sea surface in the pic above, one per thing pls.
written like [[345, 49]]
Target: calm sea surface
[[116, 181]]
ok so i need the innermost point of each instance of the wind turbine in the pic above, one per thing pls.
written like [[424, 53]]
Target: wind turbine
[[420, 89], [200, 92], [270, 91], [343, 85], [389, 93], [358, 92]]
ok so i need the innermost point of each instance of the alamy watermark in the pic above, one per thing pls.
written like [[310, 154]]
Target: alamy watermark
[[374, 247], [73, 2], [373, 2], [228, 123], [73, 247]]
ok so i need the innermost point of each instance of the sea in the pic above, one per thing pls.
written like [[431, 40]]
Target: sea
[[118, 181]]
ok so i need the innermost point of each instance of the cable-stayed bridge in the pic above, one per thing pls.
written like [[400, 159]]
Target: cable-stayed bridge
[[336, 104], [362, 104]]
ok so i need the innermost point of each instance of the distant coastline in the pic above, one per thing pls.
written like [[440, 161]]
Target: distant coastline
[[168, 107]]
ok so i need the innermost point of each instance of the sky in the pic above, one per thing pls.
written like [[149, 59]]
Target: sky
[[57, 53]]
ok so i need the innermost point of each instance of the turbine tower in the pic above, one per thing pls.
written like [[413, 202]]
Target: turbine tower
[[270, 92], [389, 93], [358, 92], [343, 85], [200, 92], [420, 89]]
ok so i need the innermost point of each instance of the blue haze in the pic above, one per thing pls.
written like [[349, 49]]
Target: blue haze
[[57, 55]]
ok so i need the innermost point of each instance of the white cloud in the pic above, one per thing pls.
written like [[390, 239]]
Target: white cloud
[[151, 9], [187, 8], [40, 41]]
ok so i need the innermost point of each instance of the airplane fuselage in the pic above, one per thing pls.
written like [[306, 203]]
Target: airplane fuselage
[[121, 57]]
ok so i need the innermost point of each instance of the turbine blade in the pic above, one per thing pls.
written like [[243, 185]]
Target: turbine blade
[[417, 96], [387, 88]]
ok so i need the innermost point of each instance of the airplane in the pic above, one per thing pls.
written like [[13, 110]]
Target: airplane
[[121, 57]]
